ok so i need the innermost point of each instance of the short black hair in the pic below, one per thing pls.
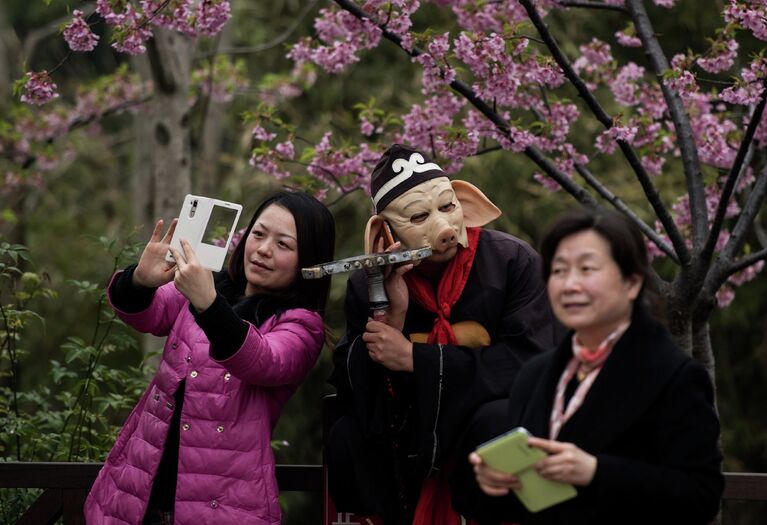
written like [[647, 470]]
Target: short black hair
[[315, 236], [627, 246]]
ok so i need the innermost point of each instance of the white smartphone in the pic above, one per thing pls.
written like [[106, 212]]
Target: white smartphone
[[208, 225]]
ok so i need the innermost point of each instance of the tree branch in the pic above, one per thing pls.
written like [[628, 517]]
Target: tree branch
[[747, 215], [747, 261], [651, 192], [738, 166], [592, 5], [580, 194], [724, 263], [28, 161], [681, 120], [621, 206]]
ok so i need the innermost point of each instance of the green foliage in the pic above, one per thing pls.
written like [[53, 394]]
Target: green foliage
[[75, 415]]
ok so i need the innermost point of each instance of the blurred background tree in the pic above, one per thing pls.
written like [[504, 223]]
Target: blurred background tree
[[89, 173]]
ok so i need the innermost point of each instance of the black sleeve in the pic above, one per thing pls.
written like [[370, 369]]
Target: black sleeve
[[357, 378], [127, 296], [684, 482], [223, 328]]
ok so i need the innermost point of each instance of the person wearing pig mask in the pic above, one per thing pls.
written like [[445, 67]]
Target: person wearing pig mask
[[458, 327]]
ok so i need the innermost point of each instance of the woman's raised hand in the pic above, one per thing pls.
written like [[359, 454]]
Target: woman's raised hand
[[194, 281], [153, 270]]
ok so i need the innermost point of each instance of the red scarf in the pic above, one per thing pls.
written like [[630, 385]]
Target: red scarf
[[449, 289], [434, 502]]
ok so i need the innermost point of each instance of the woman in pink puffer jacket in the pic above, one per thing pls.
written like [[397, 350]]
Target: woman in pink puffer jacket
[[196, 448]]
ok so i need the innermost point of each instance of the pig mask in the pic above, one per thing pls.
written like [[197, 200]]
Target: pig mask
[[422, 206]]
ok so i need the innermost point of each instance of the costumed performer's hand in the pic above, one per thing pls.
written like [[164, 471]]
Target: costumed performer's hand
[[153, 270], [194, 281], [388, 347], [566, 462], [493, 482], [396, 290]]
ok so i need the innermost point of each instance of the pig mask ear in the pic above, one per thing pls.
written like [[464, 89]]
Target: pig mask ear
[[477, 208], [374, 231]]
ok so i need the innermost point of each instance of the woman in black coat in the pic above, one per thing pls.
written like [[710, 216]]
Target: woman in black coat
[[624, 415]]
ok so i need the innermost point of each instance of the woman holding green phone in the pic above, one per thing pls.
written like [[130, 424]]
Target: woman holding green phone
[[623, 414]]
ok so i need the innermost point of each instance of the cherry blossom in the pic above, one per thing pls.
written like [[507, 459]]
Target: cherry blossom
[[39, 88], [78, 34]]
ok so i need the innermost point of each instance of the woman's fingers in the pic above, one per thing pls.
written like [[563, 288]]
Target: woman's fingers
[[189, 256], [493, 491], [491, 477], [157, 231], [169, 234], [178, 256], [547, 445]]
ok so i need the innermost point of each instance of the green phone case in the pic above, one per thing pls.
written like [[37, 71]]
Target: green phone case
[[510, 453]]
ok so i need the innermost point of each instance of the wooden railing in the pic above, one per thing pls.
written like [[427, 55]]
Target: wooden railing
[[66, 485]]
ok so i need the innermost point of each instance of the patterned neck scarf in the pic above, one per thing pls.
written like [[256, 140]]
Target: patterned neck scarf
[[587, 365], [449, 290]]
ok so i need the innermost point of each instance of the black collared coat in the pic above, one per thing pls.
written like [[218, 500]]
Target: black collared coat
[[649, 419]]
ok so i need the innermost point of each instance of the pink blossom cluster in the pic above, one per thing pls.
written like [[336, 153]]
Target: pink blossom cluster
[[500, 75], [627, 38], [78, 34], [269, 157], [343, 169], [259, 133], [427, 126], [625, 87], [721, 57], [751, 15], [398, 20], [593, 55], [714, 137], [435, 77], [269, 163], [129, 27], [35, 130], [368, 128], [749, 88], [193, 18], [607, 141], [343, 35], [488, 16], [39, 88], [726, 294]]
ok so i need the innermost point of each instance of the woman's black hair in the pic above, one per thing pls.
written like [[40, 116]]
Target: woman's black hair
[[316, 237], [627, 245]]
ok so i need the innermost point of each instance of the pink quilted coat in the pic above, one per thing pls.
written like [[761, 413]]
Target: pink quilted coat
[[226, 465]]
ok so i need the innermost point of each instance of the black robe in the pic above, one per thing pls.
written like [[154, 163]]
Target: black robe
[[506, 295], [648, 418]]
